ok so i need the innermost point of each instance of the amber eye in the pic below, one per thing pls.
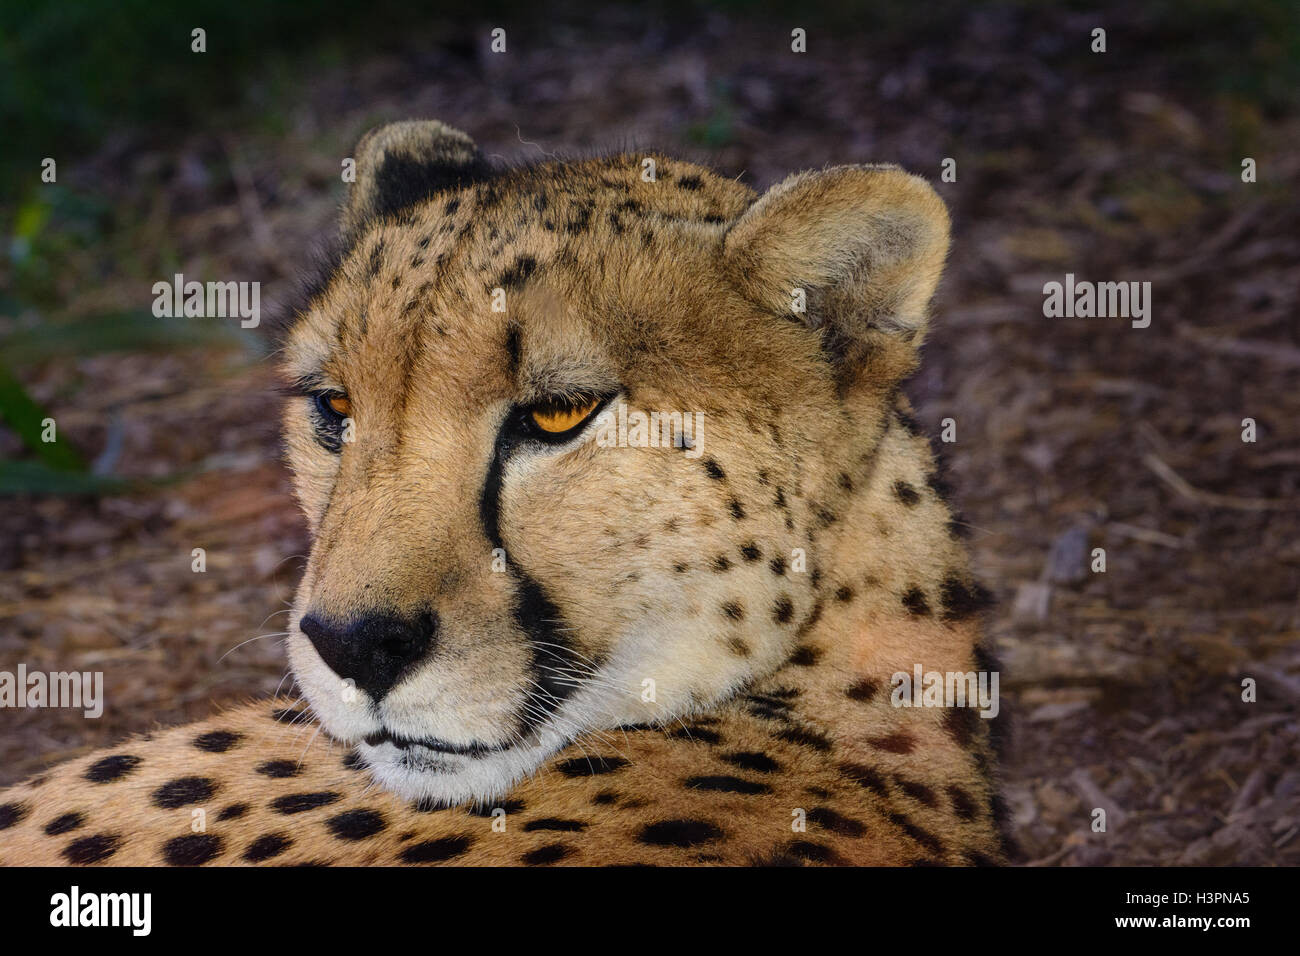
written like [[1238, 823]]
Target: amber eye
[[339, 405], [555, 418]]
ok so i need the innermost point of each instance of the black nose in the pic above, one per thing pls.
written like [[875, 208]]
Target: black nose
[[375, 651]]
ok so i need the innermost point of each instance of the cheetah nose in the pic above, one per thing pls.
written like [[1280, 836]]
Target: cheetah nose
[[375, 651]]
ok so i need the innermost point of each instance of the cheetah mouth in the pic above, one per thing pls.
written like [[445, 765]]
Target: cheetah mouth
[[433, 743]]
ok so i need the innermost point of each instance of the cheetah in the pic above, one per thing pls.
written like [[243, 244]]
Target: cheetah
[[531, 638]]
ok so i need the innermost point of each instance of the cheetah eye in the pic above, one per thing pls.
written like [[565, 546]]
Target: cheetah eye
[[333, 405], [558, 417]]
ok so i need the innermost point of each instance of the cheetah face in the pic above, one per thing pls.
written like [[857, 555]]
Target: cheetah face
[[506, 555]]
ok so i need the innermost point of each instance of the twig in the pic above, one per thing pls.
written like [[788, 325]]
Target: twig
[[1213, 499]]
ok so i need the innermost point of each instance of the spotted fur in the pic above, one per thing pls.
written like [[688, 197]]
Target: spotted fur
[[671, 655]]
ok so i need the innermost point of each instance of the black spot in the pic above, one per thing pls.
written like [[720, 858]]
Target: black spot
[[813, 617], [91, 849], [112, 768], [770, 700], [518, 273], [865, 777], [896, 743], [714, 470], [824, 515], [555, 823], [805, 656], [11, 813], [436, 851], [780, 501], [279, 768], [828, 819], [961, 724], [193, 849], [752, 760], [846, 482], [356, 824], [917, 791], [486, 810], [265, 847], [721, 563], [805, 738], [64, 824], [975, 858], [767, 711], [452, 205], [302, 802], [579, 221], [700, 734], [844, 594], [783, 610], [233, 812], [681, 568], [605, 797], [590, 766], [726, 784], [863, 690], [923, 837], [812, 852], [914, 601], [750, 552], [551, 853], [906, 493], [279, 715], [960, 601], [737, 509], [777, 565], [183, 790], [690, 182], [962, 804], [219, 741], [512, 349], [733, 610], [680, 833]]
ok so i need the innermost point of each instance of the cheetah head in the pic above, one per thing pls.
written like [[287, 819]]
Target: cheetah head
[[560, 433]]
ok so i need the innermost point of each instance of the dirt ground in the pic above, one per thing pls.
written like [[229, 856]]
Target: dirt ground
[[1125, 687]]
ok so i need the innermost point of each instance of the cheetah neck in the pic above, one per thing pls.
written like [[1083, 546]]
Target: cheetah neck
[[894, 590]]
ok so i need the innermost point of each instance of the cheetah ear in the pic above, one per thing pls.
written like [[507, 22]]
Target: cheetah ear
[[866, 244], [402, 164]]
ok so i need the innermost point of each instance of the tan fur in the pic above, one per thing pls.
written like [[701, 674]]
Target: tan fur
[[772, 685]]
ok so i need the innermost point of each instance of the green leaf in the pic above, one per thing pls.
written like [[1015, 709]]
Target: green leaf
[[26, 418]]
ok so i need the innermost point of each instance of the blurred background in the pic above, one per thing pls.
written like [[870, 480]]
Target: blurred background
[[1072, 434]]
